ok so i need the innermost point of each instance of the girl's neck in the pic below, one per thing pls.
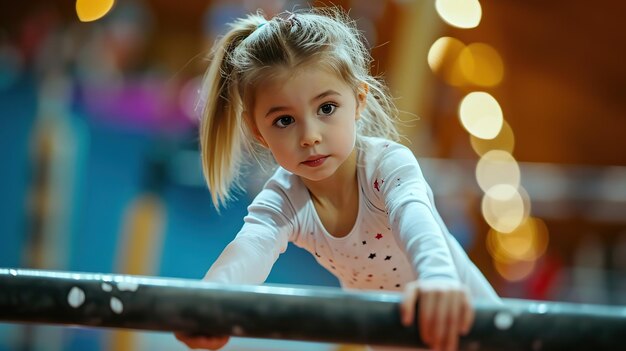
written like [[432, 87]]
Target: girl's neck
[[339, 188]]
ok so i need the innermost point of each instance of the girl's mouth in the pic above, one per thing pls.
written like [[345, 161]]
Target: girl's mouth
[[315, 161]]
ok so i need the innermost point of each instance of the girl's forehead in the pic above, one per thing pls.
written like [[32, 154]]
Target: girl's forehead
[[301, 82], [310, 75], [281, 74]]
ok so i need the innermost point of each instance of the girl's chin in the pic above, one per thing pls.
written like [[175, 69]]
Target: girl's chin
[[314, 176]]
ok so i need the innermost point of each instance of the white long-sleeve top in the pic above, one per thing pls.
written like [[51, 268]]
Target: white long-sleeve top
[[398, 235]]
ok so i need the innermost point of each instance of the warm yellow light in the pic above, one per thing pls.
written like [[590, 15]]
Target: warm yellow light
[[497, 167], [505, 141], [507, 246], [440, 50], [91, 10], [527, 242], [514, 270], [481, 64], [526, 200], [443, 59], [503, 208], [459, 13], [481, 115]]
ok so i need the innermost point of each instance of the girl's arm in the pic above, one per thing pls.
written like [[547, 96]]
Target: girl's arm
[[419, 234], [418, 227], [445, 311], [407, 198], [249, 258], [267, 228]]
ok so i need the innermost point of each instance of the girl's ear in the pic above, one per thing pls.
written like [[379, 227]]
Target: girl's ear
[[361, 98], [253, 128]]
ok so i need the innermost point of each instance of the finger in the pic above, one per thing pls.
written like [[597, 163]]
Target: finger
[[453, 324], [202, 342], [216, 343], [179, 336], [212, 343], [427, 304], [408, 306], [467, 316], [440, 317], [186, 338]]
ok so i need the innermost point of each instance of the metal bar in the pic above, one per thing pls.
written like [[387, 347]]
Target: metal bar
[[279, 312]]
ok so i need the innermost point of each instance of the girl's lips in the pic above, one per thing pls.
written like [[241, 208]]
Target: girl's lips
[[315, 162]]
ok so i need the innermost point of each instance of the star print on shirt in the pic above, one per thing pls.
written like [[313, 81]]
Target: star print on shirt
[[387, 258], [372, 256], [364, 242], [376, 185], [379, 236]]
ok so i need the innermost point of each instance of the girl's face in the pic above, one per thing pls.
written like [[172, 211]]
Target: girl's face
[[307, 118]]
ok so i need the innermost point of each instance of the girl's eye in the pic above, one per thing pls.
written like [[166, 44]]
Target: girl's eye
[[327, 109], [284, 121]]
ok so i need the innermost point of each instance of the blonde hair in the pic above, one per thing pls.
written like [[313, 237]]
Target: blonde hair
[[247, 53]]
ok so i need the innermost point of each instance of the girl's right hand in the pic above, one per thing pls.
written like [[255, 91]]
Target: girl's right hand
[[445, 311], [202, 342]]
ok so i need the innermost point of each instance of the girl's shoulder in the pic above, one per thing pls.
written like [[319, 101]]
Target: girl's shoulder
[[285, 180], [378, 159], [371, 142], [376, 154], [282, 190], [279, 202]]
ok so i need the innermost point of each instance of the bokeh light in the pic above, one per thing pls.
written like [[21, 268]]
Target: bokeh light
[[503, 207], [527, 242], [513, 270], [443, 59], [505, 141], [497, 167], [92, 10], [459, 13], [481, 65], [481, 115]]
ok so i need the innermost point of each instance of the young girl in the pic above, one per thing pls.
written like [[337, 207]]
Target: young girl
[[298, 86]]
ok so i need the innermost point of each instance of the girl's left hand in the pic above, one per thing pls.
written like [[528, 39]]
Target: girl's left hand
[[444, 311]]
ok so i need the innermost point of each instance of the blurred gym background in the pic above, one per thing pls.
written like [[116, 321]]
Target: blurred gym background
[[515, 109]]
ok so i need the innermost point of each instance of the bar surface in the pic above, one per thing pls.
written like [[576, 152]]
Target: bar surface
[[293, 313]]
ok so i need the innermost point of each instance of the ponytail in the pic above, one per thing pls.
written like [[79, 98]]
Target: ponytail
[[222, 133]]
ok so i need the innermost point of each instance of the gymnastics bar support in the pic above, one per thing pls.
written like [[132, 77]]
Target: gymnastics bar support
[[295, 313]]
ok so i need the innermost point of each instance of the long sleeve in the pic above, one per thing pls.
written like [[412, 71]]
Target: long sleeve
[[413, 219], [249, 258]]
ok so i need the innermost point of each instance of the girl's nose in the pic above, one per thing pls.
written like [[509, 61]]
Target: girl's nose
[[310, 135]]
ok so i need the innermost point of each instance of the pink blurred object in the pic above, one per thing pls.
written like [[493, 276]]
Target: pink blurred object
[[146, 104]]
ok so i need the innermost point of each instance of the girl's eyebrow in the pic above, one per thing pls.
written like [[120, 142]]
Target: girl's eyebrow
[[320, 96], [325, 94]]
